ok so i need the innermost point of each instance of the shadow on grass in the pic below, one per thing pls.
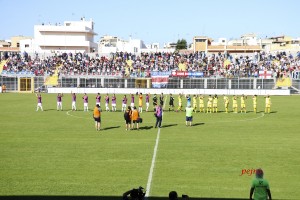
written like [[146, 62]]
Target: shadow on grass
[[198, 124], [49, 110], [168, 125], [108, 128], [145, 127]]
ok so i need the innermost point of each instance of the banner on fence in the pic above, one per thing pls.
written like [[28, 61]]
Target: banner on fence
[[187, 74]]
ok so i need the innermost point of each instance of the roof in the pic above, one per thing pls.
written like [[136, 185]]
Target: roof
[[10, 49]]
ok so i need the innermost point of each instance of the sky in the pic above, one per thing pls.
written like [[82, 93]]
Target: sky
[[157, 20]]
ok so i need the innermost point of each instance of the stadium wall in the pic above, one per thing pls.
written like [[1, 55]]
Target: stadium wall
[[169, 91]]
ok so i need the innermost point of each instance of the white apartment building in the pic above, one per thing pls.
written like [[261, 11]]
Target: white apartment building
[[72, 36], [111, 44]]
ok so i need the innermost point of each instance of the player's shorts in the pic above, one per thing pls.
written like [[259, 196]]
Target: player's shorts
[[171, 104], [147, 104], [39, 104], [226, 105], [188, 119], [98, 103], [268, 105], [135, 121], [215, 105], [201, 105], [140, 105], [195, 106], [97, 119], [73, 103], [180, 105], [234, 105], [106, 104], [85, 104], [113, 105], [131, 104], [127, 121], [59, 103], [209, 105], [124, 105], [243, 105]]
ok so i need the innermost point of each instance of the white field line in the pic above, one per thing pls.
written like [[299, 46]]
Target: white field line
[[149, 182]]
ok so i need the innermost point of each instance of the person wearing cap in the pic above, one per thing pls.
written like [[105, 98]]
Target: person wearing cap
[[260, 187]]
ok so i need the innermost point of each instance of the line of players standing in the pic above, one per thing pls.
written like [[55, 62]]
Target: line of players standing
[[211, 106], [212, 103]]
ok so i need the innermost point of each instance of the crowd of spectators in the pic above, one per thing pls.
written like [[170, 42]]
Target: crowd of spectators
[[131, 65]]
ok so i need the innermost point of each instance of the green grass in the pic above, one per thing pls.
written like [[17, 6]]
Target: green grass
[[52, 153]]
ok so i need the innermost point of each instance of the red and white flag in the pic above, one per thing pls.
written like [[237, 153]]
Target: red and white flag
[[265, 74]]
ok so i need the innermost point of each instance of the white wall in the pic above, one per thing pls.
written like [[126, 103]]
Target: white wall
[[167, 91], [78, 34]]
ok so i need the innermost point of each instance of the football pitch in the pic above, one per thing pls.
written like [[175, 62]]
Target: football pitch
[[59, 153]]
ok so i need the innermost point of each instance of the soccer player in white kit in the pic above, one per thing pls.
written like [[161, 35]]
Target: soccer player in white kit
[[39, 104], [124, 103], [114, 103], [59, 102], [98, 99], [85, 102], [107, 103], [73, 101]]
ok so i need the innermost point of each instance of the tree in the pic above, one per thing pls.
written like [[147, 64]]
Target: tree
[[181, 44]]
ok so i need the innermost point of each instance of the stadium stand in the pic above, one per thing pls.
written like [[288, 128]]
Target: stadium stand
[[142, 65]]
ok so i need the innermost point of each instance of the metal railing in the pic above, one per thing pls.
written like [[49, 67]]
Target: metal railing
[[173, 83]]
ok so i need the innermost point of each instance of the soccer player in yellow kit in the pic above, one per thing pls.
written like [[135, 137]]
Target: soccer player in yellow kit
[[243, 104], [215, 103], [268, 104], [226, 103], [254, 99], [234, 104], [179, 102], [209, 104], [201, 104], [195, 103], [141, 103]]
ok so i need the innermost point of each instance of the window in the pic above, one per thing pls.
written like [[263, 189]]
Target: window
[[199, 40], [18, 44], [26, 45]]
